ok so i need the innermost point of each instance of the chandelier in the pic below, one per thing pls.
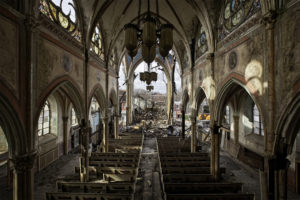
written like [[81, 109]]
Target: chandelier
[[150, 35]]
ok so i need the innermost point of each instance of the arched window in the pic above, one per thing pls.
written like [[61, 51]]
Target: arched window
[[227, 115], [74, 121], [44, 120], [235, 13], [201, 43], [97, 43], [62, 12], [257, 122], [94, 115]]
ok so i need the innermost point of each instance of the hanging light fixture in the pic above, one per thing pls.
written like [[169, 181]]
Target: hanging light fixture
[[152, 34]]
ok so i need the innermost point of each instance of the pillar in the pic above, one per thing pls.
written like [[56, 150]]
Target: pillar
[[23, 177], [236, 119], [116, 126], [65, 133], [183, 123], [84, 159], [128, 104], [105, 134], [215, 152], [193, 138]]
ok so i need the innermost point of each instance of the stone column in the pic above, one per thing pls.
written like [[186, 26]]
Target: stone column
[[23, 177], [193, 138], [84, 159], [183, 123], [215, 152], [283, 165], [65, 133], [128, 104], [236, 119], [105, 134], [116, 126]]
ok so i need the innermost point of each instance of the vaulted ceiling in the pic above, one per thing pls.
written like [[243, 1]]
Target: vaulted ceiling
[[112, 15]]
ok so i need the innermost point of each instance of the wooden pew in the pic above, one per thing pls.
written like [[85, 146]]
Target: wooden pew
[[183, 154], [185, 164], [120, 177], [114, 155], [187, 178], [86, 196], [110, 170], [198, 188], [113, 164], [226, 196], [189, 170], [89, 187]]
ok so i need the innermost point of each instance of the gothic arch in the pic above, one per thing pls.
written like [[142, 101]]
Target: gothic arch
[[70, 89], [185, 99], [113, 97], [98, 93], [13, 129], [199, 97], [230, 87], [288, 126]]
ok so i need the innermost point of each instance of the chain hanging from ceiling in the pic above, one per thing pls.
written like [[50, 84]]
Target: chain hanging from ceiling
[[151, 35]]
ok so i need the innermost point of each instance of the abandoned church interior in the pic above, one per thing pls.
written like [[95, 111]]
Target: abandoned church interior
[[150, 99]]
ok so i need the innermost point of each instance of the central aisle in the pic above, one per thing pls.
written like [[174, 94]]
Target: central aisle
[[148, 185]]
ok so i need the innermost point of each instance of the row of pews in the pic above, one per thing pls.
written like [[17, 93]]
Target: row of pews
[[112, 175], [186, 175]]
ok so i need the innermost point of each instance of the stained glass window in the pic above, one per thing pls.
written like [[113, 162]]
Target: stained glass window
[[201, 43], [257, 122], [63, 13], [235, 13], [96, 43], [74, 121], [44, 120]]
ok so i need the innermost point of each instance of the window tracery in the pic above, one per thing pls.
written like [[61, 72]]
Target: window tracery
[[44, 120], [201, 42], [235, 13], [97, 43], [62, 12]]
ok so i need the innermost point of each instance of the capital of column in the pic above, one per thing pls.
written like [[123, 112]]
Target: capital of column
[[65, 118], [210, 56], [31, 23], [24, 162], [269, 19]]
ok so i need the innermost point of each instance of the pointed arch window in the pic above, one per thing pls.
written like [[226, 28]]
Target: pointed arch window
[[44, 120], [235, 13], [257, 122], [63, 13], [74, 120], [97, 42], [227, 115], [201, 43], [95, 115]]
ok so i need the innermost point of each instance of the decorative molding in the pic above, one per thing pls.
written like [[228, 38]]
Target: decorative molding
[[252, 23], [59, 32]]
